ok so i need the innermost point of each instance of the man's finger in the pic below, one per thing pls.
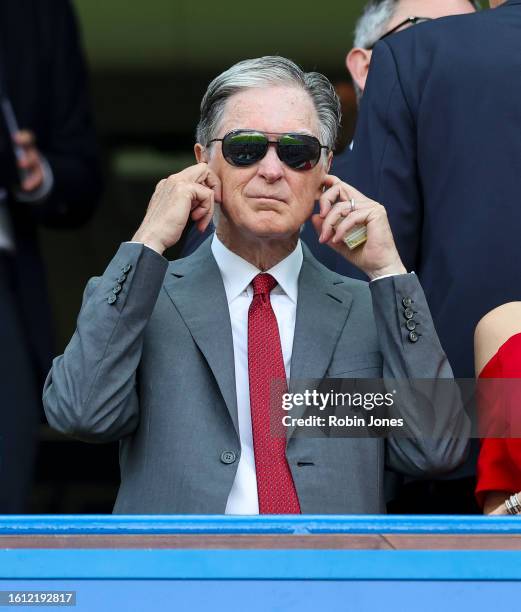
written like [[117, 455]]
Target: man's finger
[[199, 212], [214, 183], [330, 180], [343, 191], [193, 174], [359, 217], [199, 173], [31, 159], [24, 138], [317, 222], [329, 198], [203, 208], [337, 191], [339, 211], [202, 198], [203, 223], [33, 181]]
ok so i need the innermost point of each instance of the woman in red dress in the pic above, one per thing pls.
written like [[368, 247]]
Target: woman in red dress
[[497, 344]]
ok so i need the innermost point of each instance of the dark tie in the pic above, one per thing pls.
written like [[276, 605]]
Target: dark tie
[[276, 489]]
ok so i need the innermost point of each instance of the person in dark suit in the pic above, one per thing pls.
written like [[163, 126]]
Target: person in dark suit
[[437, 142], [55, 182], [177, 361], [379, 18]]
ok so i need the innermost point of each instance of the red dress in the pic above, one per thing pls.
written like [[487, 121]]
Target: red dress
[[499, 461]]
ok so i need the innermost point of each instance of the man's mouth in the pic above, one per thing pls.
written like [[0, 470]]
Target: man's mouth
[[268, 197]]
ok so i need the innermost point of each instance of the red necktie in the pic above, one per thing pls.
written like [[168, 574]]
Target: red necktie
[[275, 486]]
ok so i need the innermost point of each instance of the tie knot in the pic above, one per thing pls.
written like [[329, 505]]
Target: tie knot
[[263, 284]]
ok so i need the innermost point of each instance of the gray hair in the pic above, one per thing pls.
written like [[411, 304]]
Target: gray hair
[[375, 19], [264, 72], [373, 24]]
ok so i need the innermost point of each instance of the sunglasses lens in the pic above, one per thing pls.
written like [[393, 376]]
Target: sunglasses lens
[[244, 148], [299, 151]]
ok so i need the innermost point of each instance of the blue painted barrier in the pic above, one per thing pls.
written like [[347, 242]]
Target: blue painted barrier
[[264, 579], [219, 524]]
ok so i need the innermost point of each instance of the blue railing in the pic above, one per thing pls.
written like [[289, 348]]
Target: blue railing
[[80, 563], [218, 524]]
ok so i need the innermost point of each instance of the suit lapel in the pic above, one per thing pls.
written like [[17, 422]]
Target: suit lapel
[[196, 288], [322, 310]]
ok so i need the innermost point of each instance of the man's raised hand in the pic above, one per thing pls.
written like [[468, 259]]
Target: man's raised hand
[[342, 207], [189, 193]]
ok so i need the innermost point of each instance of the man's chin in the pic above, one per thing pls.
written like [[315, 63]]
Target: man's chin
[[272, 226]]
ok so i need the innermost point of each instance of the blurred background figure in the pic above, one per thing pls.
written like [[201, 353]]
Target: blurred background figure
[[438, 144], [379, 20], [49, 175]]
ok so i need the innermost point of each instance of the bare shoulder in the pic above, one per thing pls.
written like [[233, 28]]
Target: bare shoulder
[[493, 330]]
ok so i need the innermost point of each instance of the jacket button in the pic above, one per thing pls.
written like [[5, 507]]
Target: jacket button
[[406, 302], [408, 313], [111, 299], [228, 457], [410, 324], [116, 289], [126, 269], [413, 336]]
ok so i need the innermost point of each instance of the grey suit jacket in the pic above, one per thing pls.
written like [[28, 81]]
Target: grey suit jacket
[[154, 369]]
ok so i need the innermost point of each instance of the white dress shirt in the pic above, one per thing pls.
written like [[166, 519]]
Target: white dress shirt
[[237, 275]]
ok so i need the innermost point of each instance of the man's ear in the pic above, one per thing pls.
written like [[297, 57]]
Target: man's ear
[[201, 154], [329, 161], [357, 62]]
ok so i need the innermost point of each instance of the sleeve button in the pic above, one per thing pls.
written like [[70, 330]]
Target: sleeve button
[[126, 269], [406, 302], [410, 324], [111, 299], [408, 313], [116, 289], [413, 336]]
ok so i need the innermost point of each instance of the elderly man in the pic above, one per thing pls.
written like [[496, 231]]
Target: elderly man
[[176, 360], [379, 19]]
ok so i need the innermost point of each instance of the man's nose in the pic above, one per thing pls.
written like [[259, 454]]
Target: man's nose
[[270, 166]]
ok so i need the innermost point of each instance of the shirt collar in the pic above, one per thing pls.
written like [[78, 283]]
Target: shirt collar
[[237, 273]]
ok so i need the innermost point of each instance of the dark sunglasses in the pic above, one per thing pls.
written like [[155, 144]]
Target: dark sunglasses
[[247, 147], [408, 21]]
